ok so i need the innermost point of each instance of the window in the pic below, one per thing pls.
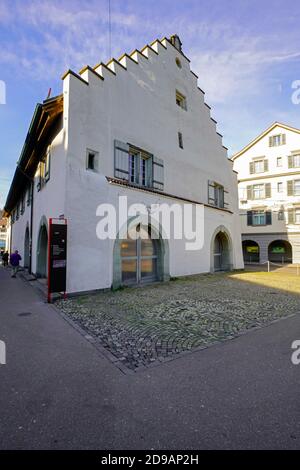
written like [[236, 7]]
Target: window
[[258, 191], [140, 166], [91, 160], [216, 194], [180, 100], [133, 159], [297, 188], [297, 216], [29, 194], [46, 175], [281, 215], [180, 140], [259, 218], [279, 161], [137, 166], [276, 140], [178, 63], [280, 187], [23, 203], [294, 161], [17, 211], [259, 166]]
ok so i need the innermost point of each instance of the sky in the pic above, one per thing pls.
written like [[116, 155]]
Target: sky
[[245, 52]]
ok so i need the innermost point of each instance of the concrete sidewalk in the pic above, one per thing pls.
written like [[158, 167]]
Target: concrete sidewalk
[[58, 392]]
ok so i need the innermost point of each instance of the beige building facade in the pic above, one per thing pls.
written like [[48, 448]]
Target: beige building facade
[[269, 195]]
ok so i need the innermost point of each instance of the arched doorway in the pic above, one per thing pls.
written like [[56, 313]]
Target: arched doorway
[[42, 252], [280, 251], [26, 248], [221, 252], [250, 251], [139, 256]]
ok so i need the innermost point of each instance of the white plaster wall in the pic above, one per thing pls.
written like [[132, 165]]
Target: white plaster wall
[[138, 105]]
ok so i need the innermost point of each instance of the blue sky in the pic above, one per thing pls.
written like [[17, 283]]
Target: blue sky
[[246, 54]]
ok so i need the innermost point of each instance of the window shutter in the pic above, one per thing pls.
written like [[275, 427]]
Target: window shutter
[[268, 190], [249, 218], [268, 218], [221, 195], [283, 137], [251, 168], [249, 192], [158, 173], [270, 142], [121, 160], [266, 165], [290, 161], [290, 188], [291, 216], [149, 171]]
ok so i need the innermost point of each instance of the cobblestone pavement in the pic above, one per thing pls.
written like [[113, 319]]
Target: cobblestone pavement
[[140, 326]]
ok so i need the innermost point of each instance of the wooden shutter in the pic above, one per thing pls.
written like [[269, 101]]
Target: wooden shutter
[[268, 190], [149, 171], [211, 192], [290, 161], [270, 142], [121, 160], [283, 139], [249, 218], [290, 188], [158, 173], [249, 192], [268, 218], [266, 165], [291, 216], [251, 168]]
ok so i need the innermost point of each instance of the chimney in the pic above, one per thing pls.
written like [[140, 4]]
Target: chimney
[[175, 40]]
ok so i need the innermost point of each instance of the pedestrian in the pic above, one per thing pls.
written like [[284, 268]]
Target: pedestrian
[[15, 259], [5, 257]]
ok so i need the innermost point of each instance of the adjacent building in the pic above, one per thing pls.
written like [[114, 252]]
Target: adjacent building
[[269, 195], [136, 127]]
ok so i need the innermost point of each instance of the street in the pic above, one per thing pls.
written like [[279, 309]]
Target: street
[[57, 391]]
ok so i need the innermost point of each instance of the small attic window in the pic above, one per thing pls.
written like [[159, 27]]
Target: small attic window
[[178, 63]]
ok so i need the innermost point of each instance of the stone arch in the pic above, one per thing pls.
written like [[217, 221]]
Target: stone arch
[[251, 251], [161, 248], [221, 254], [280, 251], [42, 249]]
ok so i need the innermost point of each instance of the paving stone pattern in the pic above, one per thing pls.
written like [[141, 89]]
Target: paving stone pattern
[[141, 326]]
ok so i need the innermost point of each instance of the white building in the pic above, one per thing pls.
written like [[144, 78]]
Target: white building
[[269, 195], [135, 127]]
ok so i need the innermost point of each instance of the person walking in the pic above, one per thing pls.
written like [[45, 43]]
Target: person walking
[[5, 257], [15, 259]]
